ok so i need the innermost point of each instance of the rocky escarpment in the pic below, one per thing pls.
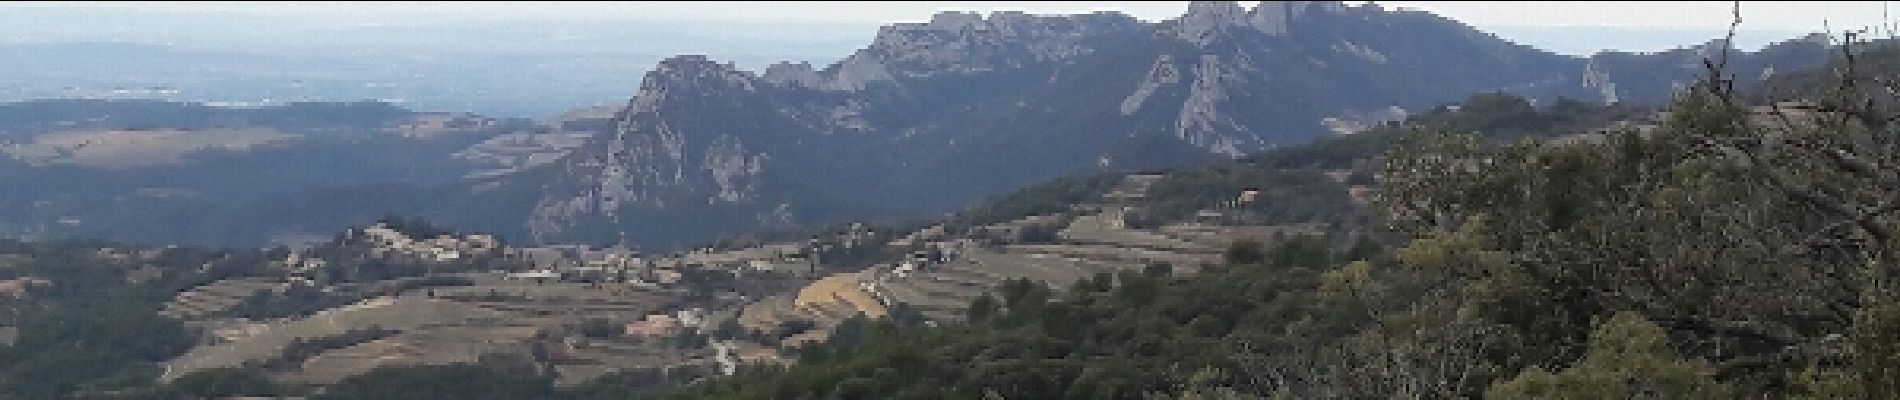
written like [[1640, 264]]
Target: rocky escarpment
[[932, 115], [683, 140], [1616, 75], [696, 135], [955, 43]]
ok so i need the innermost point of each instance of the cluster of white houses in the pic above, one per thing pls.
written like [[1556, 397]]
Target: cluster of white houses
[[562, 263], [387, 241], [620, 264]]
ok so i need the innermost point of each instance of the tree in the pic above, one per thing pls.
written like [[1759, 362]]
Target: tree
[[458, 381], [221, 383], [728, 329], [1159, 269], [982, 308], [1629, 358], [1243, 252], [599, 328], [1754, 231]]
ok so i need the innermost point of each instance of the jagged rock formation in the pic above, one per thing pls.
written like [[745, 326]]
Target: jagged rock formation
[[1616, 76], [931, 115], [1205, 19]]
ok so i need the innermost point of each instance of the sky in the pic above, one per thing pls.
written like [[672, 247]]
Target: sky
[[1803, 16]]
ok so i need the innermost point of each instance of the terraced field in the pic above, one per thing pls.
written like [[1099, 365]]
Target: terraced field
[[838, 294], [400, 314], [1220, 237], [434, 345], [583, 359], [1091, 243], [216, 297], [436, 325]]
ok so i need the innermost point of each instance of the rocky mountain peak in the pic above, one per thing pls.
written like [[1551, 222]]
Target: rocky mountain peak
[[954, 43], [694, 74], [691, 68], [1205, 20], [1273, 17], [799, 74], [958, 43], [955, 20]]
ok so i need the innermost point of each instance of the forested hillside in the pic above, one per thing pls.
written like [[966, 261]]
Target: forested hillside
[[84, 317]]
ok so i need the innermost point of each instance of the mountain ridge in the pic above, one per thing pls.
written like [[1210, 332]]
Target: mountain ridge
[[933, 114]]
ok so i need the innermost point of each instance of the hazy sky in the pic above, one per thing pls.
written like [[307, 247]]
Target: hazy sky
[[1805, 16]]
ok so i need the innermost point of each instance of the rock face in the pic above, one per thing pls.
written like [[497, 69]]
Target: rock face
[[797, 75], [1206, 19], [1162, 74], [932, 115]]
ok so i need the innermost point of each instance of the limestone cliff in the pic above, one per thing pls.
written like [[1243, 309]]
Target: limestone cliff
[[931, 115]]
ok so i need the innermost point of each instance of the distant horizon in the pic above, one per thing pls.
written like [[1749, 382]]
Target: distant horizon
[[536, 64], [1757, 15], [1528, 24]]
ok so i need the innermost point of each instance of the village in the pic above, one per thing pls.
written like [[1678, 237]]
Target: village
[[587, 311]]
